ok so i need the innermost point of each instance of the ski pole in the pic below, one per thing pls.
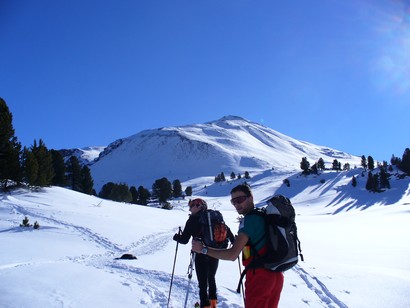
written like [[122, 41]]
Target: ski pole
[[190, 269], [173, 268], [240, 274]]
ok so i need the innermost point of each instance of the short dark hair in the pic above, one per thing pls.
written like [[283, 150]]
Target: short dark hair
[[243, 188]]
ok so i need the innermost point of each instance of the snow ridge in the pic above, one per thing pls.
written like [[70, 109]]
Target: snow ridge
[[230, 144]]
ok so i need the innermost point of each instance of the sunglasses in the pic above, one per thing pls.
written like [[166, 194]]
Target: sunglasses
[[239, 200], [196, 202]]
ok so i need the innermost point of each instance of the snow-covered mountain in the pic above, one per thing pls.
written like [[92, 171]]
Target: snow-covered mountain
[[230, 144], [85, 155]]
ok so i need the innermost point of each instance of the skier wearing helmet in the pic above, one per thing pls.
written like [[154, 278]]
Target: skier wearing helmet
[[205, 266]]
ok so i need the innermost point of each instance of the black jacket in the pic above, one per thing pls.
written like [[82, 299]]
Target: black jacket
[[192, 228]]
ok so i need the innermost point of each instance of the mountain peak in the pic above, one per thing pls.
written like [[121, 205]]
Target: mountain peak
[[231, 117], [230, 144], [227, 118]]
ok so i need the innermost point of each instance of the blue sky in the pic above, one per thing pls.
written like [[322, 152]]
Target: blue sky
[[331, 72]]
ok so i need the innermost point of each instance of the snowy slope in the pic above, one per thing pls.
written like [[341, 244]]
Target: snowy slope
[[230, 144], [85, 155], [355, 245]]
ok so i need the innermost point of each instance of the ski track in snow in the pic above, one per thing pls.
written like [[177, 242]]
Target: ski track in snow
[[87, 233], [151, 243], [153, 287], [158, 281], [319, 288]]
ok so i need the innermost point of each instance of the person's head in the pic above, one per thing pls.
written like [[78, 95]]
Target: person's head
[[197, 205], [242, 198]]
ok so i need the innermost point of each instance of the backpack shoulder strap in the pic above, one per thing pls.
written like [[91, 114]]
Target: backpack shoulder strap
[[211, 233]]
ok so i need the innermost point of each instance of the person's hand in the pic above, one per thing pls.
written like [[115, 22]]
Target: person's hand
[[176, 237], [197, 246]]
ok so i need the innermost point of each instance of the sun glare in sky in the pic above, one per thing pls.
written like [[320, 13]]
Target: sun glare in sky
[[392, 65]]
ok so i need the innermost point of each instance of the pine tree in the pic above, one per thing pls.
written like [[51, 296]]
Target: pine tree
[[134, 194], [45, 164], [370, 182], [188, 191], [144, 195], [305, 165], [106, 190], [395, 161], [176, 188], [346, 167], [405, 162], [384, 178], [74, 173], [223, 179], [364, 162], [335, 165], [87, 182], [162, 189], [30, 167], [321, 164], [376, 181], [370, 162], [120, 193], [314, 168], [59, 167], [10, 148], [392, 160], [354, 181]]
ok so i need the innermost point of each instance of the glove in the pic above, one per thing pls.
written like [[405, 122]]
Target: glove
[[176, 237]]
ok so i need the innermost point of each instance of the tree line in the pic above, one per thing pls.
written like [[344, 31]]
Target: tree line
[[162, 190], [221, 176], [40, 167], [37, 165], [376, 181]]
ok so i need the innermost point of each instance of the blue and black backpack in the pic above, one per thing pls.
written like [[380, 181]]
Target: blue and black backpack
[[214, 231]]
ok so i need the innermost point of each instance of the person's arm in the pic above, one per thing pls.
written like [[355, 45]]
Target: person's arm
[[186, 233], [231, 253], [230, 235]]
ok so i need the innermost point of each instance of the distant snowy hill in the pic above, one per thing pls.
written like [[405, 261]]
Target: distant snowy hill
[[230, 144], [85, 155]]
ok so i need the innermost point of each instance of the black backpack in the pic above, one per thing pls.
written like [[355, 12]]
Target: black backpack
[[283, 245], [214, 231], [283, 242]]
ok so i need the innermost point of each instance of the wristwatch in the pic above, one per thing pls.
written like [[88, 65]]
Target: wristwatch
[[204, 250]]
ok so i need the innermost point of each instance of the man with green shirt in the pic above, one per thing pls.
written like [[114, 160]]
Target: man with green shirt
[[262, 287]]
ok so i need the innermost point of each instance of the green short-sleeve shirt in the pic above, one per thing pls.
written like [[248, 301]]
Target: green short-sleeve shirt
[[253, 226]]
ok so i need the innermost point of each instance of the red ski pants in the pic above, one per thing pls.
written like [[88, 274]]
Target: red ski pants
[[263, 288]]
